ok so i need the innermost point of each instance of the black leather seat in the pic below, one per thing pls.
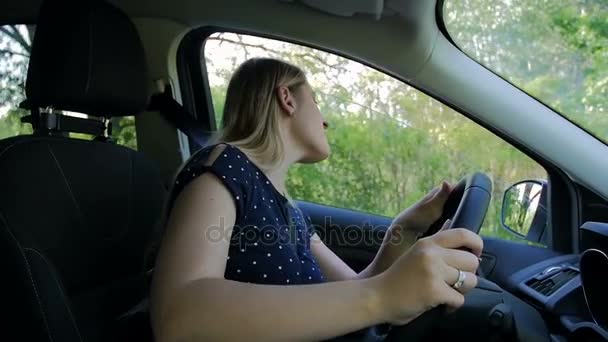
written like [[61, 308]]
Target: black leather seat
[[76, 216]]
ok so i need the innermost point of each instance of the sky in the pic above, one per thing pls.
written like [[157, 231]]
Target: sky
[[4, 110]]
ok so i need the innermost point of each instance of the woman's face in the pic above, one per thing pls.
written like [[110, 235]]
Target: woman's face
[[308, 126]]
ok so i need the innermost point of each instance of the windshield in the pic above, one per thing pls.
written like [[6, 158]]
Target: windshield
[[556, 51]]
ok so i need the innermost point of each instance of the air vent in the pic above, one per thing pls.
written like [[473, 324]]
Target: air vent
[[547, 283]]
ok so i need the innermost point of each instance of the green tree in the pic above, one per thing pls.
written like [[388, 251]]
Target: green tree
[[10, 124], [555, 50], [15, 47]]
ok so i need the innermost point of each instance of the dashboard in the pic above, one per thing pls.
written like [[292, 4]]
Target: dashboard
[[560, 291]]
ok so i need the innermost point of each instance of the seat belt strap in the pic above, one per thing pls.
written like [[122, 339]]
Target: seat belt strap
[[178, 116]]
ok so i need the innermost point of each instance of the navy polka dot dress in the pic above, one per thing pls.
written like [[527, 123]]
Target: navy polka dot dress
[[270, 242]]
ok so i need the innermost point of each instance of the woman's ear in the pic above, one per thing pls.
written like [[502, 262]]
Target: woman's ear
[[287, 100]]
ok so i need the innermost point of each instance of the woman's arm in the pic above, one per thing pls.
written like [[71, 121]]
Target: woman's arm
[[191, 301], [399, 237], [214, 309], [335, 269]]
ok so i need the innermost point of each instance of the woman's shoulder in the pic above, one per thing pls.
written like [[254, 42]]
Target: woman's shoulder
[[228, 163], [223, 158]]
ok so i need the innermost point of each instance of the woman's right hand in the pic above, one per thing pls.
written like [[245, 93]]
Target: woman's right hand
[[422, 277]]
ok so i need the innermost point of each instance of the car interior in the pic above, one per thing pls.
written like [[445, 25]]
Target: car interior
[[77, 215]]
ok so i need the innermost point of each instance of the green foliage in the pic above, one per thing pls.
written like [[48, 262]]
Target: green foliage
[[218, 96], [556, 51], [15, 46], [520, 206], [10, 124], [123, 131]]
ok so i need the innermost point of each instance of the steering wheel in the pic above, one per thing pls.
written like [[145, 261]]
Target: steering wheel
[[466, 206]]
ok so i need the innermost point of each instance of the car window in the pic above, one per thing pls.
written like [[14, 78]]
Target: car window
[[15, 47], [557, 51], [390, 143]]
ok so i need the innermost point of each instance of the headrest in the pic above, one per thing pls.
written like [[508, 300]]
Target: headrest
[[87, 57]]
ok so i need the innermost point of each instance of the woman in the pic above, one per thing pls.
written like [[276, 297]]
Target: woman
[[239, 262]]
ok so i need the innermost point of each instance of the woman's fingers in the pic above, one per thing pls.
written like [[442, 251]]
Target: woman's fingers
[[459, 238], [452, 298], [461, 260], [470, 280]]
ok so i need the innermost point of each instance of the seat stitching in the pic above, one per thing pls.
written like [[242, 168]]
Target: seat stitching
[[67, 184], [130, 191], [35, 139], [58, 286], [29, 272], [18, 142]]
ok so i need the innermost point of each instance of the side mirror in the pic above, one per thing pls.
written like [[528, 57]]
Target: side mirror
[[524, 210]]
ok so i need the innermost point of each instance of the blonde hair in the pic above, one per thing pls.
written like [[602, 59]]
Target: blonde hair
[[251, 111], [250, 122]]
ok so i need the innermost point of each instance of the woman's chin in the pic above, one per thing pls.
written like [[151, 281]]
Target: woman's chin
[[316, 154]]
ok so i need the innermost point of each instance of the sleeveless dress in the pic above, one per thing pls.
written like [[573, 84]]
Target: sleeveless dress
[[270, 241]]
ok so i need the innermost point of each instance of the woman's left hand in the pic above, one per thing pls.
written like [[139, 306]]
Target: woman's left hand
[[407, 227], [418, 218]]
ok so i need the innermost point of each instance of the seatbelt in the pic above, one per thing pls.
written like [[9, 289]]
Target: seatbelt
[[176, 114]]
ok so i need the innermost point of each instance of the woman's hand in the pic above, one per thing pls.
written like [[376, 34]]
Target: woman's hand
[[422, 278], [406, 228], [419, 217]]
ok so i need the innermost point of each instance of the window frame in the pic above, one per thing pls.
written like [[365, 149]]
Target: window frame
[[196, 97]]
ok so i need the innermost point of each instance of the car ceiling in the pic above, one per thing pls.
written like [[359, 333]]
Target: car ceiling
[[389, 41]]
